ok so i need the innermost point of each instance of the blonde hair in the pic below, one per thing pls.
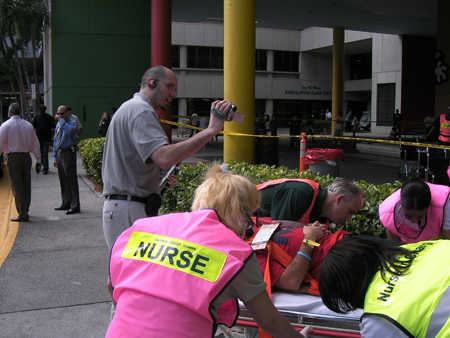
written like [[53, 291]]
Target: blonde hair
[[230, 195]]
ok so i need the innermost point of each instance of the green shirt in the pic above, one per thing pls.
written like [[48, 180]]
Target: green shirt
[[290, 200]]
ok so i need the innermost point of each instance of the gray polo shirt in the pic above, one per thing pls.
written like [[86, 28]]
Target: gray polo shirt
[[133, 135]]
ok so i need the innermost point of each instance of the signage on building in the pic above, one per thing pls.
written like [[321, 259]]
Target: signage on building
[[310, 91]]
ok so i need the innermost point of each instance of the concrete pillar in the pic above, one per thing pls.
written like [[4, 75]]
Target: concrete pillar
[[338, 74], [442, 96], [161, 40], [182, 107], [270, 61], [239, 76], [183, 59], [269, 106]]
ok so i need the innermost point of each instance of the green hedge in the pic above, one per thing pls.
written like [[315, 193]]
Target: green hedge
[[91, 152], [179, 198], [365, 222]]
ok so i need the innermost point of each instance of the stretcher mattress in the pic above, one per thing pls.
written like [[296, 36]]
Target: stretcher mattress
[[306, 309]]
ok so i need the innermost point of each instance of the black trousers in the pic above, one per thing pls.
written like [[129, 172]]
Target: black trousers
[[68, 179]]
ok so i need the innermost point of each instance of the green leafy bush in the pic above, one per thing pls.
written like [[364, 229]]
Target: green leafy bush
[[91, 152], [180, 197], [366, 222]]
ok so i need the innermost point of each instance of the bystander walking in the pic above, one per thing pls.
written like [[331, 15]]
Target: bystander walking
[[17, 140], [44, 125]]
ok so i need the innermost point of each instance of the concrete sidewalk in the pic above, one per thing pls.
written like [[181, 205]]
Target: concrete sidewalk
[[53, 283]]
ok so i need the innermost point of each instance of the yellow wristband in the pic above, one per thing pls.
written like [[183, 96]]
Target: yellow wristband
[[310, 243]]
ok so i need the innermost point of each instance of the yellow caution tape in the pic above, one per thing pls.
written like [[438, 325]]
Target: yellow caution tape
[[232, 133]]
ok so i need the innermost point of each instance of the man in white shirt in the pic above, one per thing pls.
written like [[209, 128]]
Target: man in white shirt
[[17, 140], [74, 117]]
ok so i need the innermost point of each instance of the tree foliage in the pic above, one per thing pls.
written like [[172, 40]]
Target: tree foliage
[[22, 25]]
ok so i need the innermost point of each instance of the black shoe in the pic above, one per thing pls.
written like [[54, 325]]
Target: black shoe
[[45, 171], [73, 211], [62, 207], [20, 219]]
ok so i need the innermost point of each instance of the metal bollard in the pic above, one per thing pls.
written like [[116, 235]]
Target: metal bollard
[[302, 152]]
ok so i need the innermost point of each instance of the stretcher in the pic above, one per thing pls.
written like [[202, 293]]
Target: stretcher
[[304, 309]]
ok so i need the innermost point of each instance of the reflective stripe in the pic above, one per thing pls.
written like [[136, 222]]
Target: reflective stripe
[[440, 316], [191, 258]]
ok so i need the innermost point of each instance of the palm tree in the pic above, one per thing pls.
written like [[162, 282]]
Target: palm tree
[[23, 21]]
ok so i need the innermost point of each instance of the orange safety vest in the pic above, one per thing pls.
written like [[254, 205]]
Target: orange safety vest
[[314, 185], [444, 129]]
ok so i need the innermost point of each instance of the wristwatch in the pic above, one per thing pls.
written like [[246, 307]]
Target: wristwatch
[[310, 243]]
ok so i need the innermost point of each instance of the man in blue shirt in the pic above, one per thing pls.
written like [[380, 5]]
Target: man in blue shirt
[[65, 159]]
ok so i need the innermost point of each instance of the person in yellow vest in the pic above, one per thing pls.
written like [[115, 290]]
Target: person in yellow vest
[[403, 290]]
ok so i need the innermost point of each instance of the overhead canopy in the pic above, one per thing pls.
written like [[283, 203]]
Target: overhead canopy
[[399, 17]]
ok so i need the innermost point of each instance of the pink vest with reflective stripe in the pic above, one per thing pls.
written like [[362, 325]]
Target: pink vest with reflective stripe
[[314, 185], [167, 271], [435, 213]]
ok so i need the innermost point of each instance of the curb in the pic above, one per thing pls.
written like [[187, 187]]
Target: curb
[[8, 229]]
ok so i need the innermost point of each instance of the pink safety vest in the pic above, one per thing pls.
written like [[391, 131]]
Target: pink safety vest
[[314, 185], [390, 219], [167, 271]]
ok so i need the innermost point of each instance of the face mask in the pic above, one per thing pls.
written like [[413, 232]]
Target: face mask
[[404, 226]]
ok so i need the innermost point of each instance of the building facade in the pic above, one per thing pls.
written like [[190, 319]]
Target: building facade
[[94, 59], [294, 72]]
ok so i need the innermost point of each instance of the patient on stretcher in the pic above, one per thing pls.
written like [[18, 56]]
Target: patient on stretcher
[[294, 255], [291, 262]]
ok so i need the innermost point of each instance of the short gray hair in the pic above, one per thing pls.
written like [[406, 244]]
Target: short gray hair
[[346, 188], [156, 72], [14, 108]]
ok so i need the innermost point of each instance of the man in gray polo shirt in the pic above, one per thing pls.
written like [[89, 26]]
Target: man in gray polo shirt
[[136, 149]]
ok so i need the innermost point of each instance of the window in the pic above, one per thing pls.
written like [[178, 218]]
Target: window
[[385, 104], [261, 60], [361, 66], [285, 61], [205, 57], [175, 57]]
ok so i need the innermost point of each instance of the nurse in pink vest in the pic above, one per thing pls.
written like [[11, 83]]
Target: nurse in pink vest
[[419, 211], [179, 275]]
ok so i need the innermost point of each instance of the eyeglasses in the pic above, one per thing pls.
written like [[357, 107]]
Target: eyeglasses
[[61, 113], [169, 85], [249, 221]]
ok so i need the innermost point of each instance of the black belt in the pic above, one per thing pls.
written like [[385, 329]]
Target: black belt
[[66, 149], [127, 197], [18, 153]]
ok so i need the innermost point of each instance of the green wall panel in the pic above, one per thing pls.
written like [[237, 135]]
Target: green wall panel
[[100, 50]]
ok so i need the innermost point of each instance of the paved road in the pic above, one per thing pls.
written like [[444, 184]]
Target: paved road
[[53, 282]]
